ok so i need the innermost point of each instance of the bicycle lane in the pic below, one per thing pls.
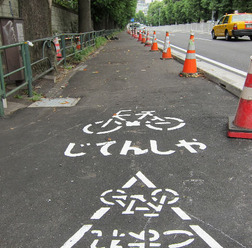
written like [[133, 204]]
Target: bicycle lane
[[162, 149], [141, 161]]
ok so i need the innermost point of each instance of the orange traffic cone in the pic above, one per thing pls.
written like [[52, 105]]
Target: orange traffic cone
[[135, 33], [140, 36], [154, 46], [132, 32], [240, 126], [143, 37], [78, 46], [190, 67], [57, 46], [148, 41], [167, 48]]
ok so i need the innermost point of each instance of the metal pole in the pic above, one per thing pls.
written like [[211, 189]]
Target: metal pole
[[63, 43], [2, 88], [27, 62]]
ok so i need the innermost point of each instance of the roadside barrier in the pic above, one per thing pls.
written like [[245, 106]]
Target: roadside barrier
[[240, 126], [33, 69], [167, 48], [154, 46], [140, 36], [190, 66], [148, 41]]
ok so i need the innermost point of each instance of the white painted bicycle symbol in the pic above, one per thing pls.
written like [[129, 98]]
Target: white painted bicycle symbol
[[123, 118]]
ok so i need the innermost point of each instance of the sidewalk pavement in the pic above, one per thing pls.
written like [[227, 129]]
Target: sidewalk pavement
[[57, 161], [228, 80]]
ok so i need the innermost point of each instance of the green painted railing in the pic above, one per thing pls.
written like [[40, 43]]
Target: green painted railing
[[41, 53]]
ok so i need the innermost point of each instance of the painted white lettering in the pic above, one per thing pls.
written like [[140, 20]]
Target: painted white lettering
[[127, 147], [68, 151], [188, 145], [105, 146], [153, 144]]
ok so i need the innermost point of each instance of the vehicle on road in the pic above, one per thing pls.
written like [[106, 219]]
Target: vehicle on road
[[233, 25]]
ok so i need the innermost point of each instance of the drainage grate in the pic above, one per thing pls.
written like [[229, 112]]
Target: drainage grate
[[55, 102]]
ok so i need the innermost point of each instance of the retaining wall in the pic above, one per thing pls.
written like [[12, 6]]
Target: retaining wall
[[63, 20], [9, 8]]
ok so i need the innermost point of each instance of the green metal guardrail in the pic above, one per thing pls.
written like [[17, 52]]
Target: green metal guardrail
[[48, 61]]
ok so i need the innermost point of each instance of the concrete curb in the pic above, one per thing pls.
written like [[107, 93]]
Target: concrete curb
[[226, 79]]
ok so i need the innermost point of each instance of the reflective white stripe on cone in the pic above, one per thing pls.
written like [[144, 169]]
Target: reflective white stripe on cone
[[240, 126]]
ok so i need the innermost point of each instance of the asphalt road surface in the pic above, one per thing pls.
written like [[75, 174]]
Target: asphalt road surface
[[234, 53], [142, 160]]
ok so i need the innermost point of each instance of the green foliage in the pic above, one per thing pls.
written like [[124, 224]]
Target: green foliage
[[18, 97], [100, 41], [187, 11], [140, 17], [71, 4], [156, 13], [83, 54], [119, 12], [36, 96]]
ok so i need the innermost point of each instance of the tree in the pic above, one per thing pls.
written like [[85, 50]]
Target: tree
[[156, 13], [112, 13], [101, 14], [85, 21], [187, 11], [140, 17]]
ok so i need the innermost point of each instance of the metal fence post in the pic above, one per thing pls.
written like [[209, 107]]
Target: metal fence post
[[2, 88], [28, 70], [81, 41], [89, 39], [63, 43]]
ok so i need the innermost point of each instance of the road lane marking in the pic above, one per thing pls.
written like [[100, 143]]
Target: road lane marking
[[206, 237], [133, 203], [99, 213], [181, 213], [211, 61], [77, 236]]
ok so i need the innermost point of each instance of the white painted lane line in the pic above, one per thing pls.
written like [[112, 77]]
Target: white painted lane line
[[129, 183], [227, 67], [141, 176], [77, 236], [206, 237], [181, 213], [203, 39], [99, 213]]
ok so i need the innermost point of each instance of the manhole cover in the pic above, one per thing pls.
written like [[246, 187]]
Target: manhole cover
[[55, 102]]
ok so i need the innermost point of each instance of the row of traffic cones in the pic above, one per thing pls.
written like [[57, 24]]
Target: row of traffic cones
[[190, 66], [58, 50], [240, 125], [145, 39]]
